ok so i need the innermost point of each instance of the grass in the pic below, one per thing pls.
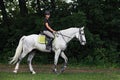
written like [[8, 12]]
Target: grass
[[71, 73], [65, 76]]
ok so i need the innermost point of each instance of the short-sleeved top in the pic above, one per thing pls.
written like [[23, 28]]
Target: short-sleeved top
[[46, 21]]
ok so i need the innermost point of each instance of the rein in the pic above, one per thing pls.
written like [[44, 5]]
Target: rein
[[80, 35], [66, 35], [63, 37]]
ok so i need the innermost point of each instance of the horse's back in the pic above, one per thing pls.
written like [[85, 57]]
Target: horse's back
[[30, 38], [32, 35]]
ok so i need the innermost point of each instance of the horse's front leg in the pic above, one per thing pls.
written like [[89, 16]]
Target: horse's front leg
[[65, 64], [57, 53]]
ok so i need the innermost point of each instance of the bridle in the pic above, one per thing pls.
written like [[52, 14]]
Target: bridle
[[80, 35]]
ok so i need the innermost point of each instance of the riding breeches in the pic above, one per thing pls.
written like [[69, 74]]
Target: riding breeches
[[48, 33]]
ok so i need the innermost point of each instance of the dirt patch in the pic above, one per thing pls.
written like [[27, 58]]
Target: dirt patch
[[48, 69]]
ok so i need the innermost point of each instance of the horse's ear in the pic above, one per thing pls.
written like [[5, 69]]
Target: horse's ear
[[82, 27]]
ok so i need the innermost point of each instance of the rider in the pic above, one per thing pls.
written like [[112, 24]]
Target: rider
[[48, 30]]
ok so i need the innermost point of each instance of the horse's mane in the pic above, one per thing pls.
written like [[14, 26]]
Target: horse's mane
[[69, 29]]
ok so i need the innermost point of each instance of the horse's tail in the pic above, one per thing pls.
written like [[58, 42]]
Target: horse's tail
[[18, 51]]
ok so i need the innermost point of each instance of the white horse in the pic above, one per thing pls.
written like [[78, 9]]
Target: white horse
[[62, 37]]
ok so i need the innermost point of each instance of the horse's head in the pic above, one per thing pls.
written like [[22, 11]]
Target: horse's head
[[80, 35]]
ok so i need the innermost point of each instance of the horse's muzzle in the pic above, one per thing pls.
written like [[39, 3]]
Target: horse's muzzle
[[83, 43]]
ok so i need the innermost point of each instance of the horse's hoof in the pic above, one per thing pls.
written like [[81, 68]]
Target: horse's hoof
[[55, 71], [15, 71], [33, 72], [62, 70]]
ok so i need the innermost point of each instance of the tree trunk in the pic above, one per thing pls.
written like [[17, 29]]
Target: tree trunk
[[4, 13], [53, 4], [38, 7], [23, 8]]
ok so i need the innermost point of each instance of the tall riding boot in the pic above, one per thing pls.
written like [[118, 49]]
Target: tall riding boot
[[49, 44]]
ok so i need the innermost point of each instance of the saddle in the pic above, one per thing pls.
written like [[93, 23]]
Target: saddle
[[44, 39]]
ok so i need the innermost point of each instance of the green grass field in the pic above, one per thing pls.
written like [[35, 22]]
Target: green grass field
[[65, 76], [71, 73]]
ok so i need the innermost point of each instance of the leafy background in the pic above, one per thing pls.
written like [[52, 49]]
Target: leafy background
[[101, 19]]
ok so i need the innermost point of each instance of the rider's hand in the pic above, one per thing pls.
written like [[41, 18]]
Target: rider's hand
[[54, 32]]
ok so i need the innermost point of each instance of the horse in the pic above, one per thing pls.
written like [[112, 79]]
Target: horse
[[28, 43]]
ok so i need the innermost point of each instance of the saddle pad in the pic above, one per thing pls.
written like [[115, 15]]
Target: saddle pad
[[42, 39]]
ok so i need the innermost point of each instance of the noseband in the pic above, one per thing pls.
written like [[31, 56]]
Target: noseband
[[80, 35]]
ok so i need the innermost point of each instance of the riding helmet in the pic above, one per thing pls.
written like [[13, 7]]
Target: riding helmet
[[47, 12]]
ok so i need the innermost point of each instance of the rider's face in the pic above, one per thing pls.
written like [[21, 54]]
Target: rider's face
[[47, 16]]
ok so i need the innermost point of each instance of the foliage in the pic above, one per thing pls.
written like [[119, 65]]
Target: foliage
[[100, 18]]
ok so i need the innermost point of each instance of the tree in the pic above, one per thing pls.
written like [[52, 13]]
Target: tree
[[38, 7], [4, 13], [23, 8], [53, 4], [101, 18]]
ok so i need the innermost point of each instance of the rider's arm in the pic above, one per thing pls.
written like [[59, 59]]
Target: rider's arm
[[48, 27]]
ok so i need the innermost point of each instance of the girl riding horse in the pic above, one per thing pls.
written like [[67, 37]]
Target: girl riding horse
[[48, 30]]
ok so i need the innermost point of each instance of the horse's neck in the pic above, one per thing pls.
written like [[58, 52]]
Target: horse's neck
[[69, 34]]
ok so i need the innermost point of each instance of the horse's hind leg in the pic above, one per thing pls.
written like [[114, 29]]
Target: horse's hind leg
[[17, 66], [30, 57], [24, 53]]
